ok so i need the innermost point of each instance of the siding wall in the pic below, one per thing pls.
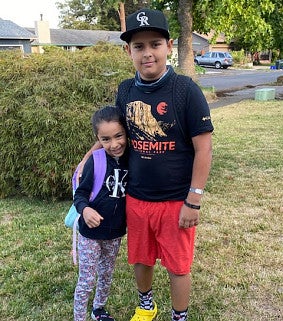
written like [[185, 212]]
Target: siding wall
[[24, 45]]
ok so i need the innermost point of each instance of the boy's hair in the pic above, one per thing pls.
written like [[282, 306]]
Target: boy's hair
[[108, 114], [145, 20]]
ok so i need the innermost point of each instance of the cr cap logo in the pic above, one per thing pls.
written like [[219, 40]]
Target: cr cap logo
[[142, 18]]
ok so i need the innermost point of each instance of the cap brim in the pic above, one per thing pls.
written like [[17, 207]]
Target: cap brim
[[127, 35]]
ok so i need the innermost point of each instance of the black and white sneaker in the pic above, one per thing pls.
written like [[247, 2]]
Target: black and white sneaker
[[101, 315]]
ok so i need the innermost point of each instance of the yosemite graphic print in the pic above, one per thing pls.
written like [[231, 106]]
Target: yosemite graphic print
[[149, 134]]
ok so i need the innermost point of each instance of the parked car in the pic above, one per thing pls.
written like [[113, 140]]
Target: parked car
[[216, 59]]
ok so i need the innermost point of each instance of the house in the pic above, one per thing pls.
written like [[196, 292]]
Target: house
[[13, 36], [69, 39], [219, 43]]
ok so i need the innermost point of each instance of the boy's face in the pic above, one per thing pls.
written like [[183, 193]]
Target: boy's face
[[149, 51]]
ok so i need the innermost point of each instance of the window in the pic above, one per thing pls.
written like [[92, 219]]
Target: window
[[11, 47]]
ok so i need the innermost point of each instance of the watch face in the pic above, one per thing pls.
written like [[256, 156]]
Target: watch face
[[196, 190]]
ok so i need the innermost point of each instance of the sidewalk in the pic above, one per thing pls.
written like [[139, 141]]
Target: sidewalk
[[233, 97]]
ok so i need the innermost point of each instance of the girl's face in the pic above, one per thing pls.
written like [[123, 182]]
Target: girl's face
[[112, 137], [149, 51]]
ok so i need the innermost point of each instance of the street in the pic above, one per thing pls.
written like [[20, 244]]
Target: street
[[234, 85], [236, 79]]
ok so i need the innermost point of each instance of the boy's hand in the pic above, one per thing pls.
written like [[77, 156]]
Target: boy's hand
[[189, 217], [91, 217], [96, 146]]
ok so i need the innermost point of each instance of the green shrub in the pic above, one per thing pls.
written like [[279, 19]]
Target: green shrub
[[46, 104], [239, 57]]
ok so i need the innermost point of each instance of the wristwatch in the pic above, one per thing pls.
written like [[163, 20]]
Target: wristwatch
[[196, 190]]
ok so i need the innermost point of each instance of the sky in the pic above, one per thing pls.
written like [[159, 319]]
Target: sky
[[25, 12]]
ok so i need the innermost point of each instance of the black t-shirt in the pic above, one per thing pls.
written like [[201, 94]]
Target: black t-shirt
[[160, 161]]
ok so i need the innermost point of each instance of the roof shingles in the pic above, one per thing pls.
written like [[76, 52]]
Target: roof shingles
[[74, 37], [10, 30]]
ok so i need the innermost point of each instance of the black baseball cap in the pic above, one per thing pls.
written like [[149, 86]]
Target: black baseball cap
[[144, 20]]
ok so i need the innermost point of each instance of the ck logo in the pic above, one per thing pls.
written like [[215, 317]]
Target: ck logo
[[142, 18], [116, 183]]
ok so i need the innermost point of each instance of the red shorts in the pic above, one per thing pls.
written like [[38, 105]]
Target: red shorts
[[154, 233]]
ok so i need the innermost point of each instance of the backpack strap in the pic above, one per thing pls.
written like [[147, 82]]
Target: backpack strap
[[74, 242], [124, 89], [99, 170], [74, 179], [181, 92]]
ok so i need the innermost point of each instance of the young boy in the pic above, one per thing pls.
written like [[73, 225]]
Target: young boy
[[167, 172]]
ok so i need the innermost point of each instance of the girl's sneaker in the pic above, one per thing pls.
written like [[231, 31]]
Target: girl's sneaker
[[101, 315]]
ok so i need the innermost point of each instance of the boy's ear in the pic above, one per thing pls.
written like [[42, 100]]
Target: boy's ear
[[127, 48], [170, 45]]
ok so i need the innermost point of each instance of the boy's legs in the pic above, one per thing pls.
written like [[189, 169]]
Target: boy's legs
[[153, 232], [142, 252], [144, 276], [180, 286]]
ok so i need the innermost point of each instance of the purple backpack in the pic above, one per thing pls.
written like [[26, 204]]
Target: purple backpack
[[99, 170]]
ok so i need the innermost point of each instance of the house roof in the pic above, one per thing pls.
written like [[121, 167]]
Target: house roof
[[10, 30], [74, 37], [219, 39]]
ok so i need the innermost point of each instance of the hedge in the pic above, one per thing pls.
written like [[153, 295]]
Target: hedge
[[46, 104]]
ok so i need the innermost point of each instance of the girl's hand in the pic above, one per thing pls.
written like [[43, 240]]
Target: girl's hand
[[96, 146], [91, 217]]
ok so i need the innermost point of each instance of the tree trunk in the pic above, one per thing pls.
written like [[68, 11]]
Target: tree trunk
[[122, 16], [185, 40]]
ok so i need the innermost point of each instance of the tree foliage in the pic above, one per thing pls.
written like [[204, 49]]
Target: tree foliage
[[275, 19], [89, 14], [252, 24], [95, 14], [243, 21]]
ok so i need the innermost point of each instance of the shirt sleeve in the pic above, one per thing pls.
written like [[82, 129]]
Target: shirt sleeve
[[199, 119]]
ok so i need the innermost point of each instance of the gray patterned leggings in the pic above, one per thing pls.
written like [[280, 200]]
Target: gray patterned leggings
[[96, 265]]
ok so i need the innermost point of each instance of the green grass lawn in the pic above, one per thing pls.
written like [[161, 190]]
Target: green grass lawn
[[238, 269]]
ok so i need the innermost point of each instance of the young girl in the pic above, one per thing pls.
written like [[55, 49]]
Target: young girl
[[102, 222]]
